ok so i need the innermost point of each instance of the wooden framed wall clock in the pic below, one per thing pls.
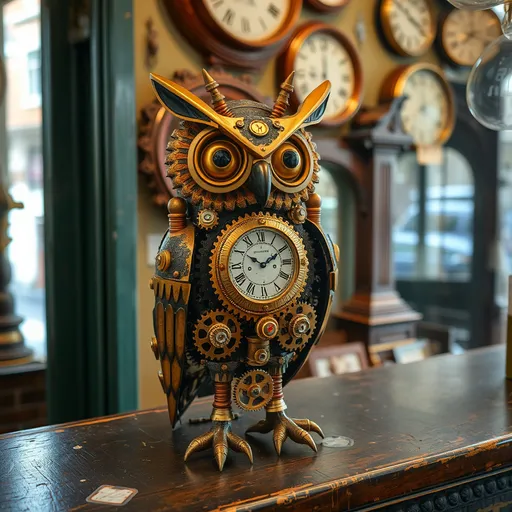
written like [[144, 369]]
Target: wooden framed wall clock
[[317, 52], [238, 33], [408, 27], [327, 5], [428, 113], [157, 124], [463, 35]]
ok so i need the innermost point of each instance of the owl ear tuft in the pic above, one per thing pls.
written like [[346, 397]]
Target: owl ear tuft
[[313, 107], [182, 103]]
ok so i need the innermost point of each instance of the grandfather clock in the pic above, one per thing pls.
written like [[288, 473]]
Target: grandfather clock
[[376, 314]]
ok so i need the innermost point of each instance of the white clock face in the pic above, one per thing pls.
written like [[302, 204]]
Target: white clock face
[[426, 111], [249, 20], [411, 25], [262, 264], [323, 57]]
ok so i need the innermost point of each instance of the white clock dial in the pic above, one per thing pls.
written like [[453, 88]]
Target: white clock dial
[[465, 34], [323, 57], [261, 264], [411, 25], [249, 20], [426, 111]]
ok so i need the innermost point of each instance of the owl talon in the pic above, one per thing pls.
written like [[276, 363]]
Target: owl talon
[[221, 439], [284, 427]]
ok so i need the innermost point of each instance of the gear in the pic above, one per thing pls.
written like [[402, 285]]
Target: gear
[[253, 390], [296, 327], [207, 219], [217, 335]]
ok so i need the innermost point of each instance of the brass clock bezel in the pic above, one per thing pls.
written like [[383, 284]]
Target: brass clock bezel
[[286, 64], [227, 292], [321, 6], [394, 87], [441, 35], [385, 21]]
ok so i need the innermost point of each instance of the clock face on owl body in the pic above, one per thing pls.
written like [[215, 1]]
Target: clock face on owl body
[[408, 25], [320, 52], [262, 264], [250, 21], [258, 265]]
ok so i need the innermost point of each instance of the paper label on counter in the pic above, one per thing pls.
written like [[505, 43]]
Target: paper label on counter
[[112, 495]]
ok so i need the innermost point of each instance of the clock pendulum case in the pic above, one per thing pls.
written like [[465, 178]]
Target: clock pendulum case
[[245, 276]]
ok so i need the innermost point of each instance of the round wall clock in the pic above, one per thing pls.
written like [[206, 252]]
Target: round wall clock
[[327, 5], [157, 124], [463, 35], [408, 26], [318, 52], [428, 113], [239, 33]]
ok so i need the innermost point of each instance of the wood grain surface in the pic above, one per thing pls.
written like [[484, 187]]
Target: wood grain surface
[[414, 427]]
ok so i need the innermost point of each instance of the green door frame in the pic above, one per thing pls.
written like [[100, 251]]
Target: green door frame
[[89, 127]]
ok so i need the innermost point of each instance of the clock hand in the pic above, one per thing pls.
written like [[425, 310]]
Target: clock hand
[[254, 260], [271, 258]]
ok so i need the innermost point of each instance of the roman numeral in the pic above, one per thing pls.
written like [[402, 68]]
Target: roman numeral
[[236, 266], [287, 261], [250, 288], [264, 291], [273, 10], [246, 26], [284, 275], [248, 241], [239, 252], [261, 236], [229, 16], [278, 288], [240, 279], [272, 243], [262, 23], [282, 249]]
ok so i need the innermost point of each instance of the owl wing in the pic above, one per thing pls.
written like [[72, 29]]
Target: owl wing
[[326, 269], [180, 377]]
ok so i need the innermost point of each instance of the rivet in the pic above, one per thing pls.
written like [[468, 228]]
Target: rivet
[[175, 274], [239, 124], [262, 221], [224, 367]]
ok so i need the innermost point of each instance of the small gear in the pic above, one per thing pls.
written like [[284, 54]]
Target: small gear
[[207, 219], [217, 334], [296, 327], [253, 390]]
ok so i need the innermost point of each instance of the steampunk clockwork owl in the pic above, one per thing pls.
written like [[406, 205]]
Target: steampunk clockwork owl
[[245, 275]]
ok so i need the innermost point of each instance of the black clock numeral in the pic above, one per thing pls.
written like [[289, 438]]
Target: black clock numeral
[[272, 243], [250, 288], [229, 16], [236, 266], [239, 252], [264, 291], [273, 10], [278, 288], [262, 23], [246, 26], [287, 261], [282, 249], [248, 241], [240, 279], [284, 275], [261, 236]]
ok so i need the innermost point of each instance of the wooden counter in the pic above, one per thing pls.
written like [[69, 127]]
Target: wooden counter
[[428, 436]]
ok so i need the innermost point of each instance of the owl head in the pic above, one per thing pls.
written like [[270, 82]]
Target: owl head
[[235, 154]]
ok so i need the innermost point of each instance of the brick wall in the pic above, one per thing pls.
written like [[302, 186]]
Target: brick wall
[[22, 397]]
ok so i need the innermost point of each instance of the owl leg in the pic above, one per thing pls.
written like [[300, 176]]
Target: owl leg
[[220, 437], [276, 418]]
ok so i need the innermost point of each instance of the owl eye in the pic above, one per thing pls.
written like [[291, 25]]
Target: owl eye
[[292, 165], [216, 163]]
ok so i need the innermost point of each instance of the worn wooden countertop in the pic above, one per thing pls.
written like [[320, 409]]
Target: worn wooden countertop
[[414, 426]]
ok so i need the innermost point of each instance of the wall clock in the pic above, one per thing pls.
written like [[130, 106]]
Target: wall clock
[[317, 52], [463, 35], [428, 114], [327, 5], [239, 33], [157, 124], [409, 27]]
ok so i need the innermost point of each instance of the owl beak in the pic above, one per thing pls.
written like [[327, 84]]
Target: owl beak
[[260, 181]]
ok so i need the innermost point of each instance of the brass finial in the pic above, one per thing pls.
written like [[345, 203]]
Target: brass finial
[[282, 103], [218, 100]]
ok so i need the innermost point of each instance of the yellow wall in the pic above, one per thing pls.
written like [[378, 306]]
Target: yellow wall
[[175, 53]]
